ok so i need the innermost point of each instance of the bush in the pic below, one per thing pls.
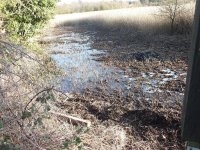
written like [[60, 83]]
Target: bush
[[23, 17]]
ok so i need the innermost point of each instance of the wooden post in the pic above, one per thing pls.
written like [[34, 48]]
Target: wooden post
[[191, 109]]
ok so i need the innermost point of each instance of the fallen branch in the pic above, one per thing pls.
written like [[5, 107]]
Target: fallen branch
[[73, 118]]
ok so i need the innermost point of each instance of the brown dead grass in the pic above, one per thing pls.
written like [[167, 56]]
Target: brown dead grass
[[87, 7], [118, 122], [145, 20]]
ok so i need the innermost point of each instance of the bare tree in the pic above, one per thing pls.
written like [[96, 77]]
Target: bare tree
[[172, 9]]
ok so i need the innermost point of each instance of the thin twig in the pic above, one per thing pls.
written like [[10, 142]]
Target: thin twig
[[44, 90]]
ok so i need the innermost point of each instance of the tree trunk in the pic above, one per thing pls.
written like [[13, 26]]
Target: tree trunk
[[172, 26]]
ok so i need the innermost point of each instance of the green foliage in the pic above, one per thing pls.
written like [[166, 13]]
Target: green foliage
[[38, 121], [75, 141], [6, 144], [9, 146], [43, 100], [26, 114], [22, 18], [4, 147], [45, 97], [35, 72], [1, 123]]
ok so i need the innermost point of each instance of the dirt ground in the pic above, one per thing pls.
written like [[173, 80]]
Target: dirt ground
[[160, 124]]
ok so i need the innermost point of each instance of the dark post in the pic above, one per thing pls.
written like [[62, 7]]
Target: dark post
[[191, 109]]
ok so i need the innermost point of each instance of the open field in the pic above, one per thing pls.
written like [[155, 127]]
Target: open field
[[87, 7], [146, 20], [118, 14]]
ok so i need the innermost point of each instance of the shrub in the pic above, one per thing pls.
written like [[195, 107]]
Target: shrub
[[23, 17]]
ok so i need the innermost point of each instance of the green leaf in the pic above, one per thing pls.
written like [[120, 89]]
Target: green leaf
[[80, 147], [38, 99], [26, 114], [47, 108], [22, 17], [1, 123], [66, 144], [4, 147], [38, 121], [33, 108], [41, 99], [51, 95], [77, 140]]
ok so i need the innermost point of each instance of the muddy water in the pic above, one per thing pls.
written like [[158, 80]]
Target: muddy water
[[73, 52]]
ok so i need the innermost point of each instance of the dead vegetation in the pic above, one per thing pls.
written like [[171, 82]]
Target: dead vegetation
[[137, 40], [32, 116], [143, 20], [148, 121], [97, 6], [36, 115]]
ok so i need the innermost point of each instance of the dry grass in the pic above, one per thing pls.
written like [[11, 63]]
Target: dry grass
[[129, 128], [86, 7], [106, 138], [148, 125], [118, 120], [23, 76], [132, 19], [146, 20]]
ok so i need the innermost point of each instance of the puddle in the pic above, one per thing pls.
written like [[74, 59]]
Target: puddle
[[77, 58], [74, 54], [152, 81]]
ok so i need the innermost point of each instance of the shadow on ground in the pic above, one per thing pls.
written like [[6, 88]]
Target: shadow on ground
[[146, 125]]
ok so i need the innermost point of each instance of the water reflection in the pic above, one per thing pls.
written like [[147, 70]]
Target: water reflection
[[73, 52]]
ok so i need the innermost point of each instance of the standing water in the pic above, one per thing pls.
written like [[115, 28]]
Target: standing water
[[73, 52]]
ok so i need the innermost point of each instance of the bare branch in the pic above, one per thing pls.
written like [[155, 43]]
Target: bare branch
[[35, 96]]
